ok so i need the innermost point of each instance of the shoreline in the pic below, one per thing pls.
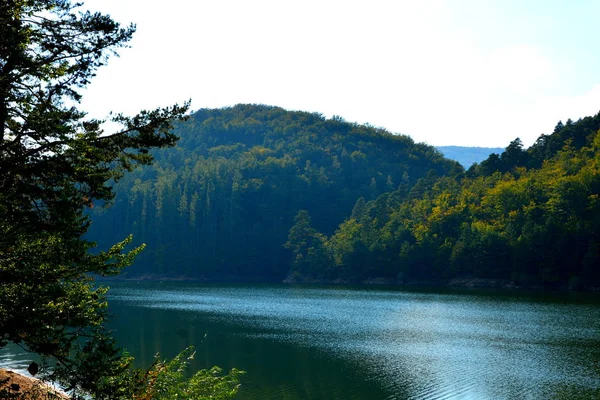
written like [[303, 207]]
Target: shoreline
[[465, 282], [13, 383]]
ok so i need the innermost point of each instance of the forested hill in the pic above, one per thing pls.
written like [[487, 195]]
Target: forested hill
[[220, 205], [526, 216]]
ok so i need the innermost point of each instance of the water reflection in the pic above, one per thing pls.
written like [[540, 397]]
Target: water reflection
[[275, 370], [308, 343], [15, 358], [319, 343]]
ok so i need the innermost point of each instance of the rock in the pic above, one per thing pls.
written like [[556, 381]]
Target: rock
[[15, 385]]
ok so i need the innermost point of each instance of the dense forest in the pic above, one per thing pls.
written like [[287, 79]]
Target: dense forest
[[220, 204], [531, 217], [257, 192]]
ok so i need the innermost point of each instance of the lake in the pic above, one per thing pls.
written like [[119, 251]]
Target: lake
[[302, 342], [316, 342]]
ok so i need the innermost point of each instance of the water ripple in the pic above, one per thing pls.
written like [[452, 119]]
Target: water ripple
[[415, 345]]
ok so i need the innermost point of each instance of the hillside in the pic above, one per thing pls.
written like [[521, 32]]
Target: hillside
[[524, 217], [220, 205]]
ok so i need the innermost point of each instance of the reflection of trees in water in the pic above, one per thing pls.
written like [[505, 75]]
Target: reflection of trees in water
[[311, 343], [274, 369]]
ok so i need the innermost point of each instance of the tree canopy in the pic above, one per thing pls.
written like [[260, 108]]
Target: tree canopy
[[260, 193], [220, 204], [55, 163], [526, 216]]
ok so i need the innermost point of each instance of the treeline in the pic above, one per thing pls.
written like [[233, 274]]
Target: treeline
[[529, 216], [259, 193], [220, 204]]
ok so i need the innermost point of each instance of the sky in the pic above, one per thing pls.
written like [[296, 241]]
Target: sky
[[445, 72]]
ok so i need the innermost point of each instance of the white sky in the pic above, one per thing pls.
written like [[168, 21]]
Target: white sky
[[445, 72]]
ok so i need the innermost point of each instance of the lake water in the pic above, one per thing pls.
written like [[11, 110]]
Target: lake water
[[299, 342]]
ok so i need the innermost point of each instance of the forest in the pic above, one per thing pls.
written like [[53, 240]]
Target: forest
[[259, 193], [221, 203]]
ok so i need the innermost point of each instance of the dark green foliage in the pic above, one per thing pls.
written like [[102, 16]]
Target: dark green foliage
[[309, 253], [54, 165], [221, 204]]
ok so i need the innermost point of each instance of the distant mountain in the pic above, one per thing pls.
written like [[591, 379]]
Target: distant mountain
[[467, 156]]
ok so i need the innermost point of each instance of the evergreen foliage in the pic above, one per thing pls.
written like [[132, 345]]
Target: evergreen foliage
[[54, 165], [260, 193], [220, 205], [501, 220], [575, 134]]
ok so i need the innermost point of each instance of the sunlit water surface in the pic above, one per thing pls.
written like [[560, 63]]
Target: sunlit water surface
[[299, 342], [355, 343]]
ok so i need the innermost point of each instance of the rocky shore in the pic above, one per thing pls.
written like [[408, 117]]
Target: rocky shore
[[14, 385]]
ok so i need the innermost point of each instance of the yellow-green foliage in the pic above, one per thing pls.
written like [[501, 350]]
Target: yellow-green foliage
[[532, 225], [167, 380]]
